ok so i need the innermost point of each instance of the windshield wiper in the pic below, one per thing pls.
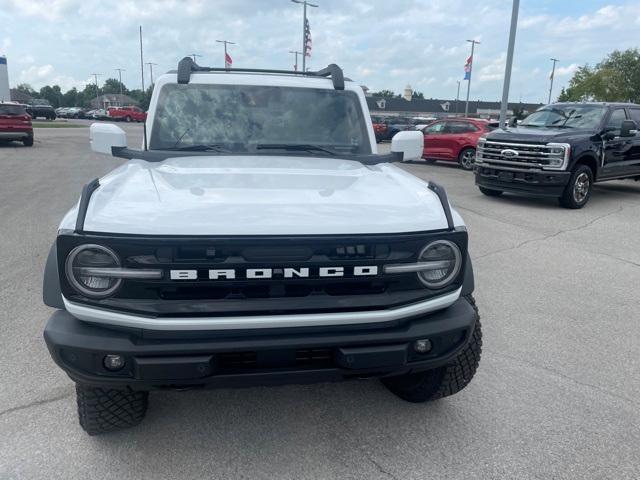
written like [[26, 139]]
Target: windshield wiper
[[200, 147], [295, 147]]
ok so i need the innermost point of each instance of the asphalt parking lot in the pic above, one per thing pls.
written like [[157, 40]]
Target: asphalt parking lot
[[556, 396]]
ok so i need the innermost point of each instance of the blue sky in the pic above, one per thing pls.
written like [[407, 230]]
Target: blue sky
[[381, 44]]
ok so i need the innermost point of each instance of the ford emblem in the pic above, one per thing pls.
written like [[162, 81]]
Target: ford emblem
[[508, 153]]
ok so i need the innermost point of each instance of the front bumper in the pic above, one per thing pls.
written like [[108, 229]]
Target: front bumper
[[168, 359], [541, 183]]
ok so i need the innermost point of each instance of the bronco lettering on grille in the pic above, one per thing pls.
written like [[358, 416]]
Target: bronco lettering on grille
[[288, 272]]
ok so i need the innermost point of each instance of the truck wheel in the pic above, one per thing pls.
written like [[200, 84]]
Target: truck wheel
[[490, 193], [467, 158], [102, 410], [577, 192], [444, 381], [127, 118], [28, 142]]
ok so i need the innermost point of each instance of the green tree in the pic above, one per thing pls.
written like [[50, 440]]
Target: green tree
[[616, 78], [384, 94], [143, 98], [417, 95], [112, 85], [26, 88], [52, 94]]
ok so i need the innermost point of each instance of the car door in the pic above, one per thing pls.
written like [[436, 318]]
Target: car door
[[617, 150], [459, 134], [634, 166], [433, 146]]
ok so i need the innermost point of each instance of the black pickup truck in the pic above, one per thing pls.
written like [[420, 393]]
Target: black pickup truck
[[560, 151], [41, 108]]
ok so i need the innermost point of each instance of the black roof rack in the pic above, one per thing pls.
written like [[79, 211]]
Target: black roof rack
[[186, 66]]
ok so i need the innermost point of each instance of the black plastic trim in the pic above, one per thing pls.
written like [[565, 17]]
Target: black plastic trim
[[51, 293], [186, 66], [442, 195], [87, 191]]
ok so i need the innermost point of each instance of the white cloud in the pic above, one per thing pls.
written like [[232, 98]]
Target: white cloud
[[568, 70], [494, 70]]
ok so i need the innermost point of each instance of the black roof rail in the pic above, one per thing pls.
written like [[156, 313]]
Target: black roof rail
[[187, 66]]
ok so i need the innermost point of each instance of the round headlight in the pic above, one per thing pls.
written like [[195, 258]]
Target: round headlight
[[82, 264], [445, 259]]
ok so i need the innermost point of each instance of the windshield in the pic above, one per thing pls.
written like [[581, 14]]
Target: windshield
[[566, 116], [243, 118]]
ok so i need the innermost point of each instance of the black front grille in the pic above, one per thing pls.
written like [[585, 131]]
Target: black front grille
[[277, 295]]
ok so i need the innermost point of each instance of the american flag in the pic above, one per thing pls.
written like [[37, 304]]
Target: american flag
[[307, 38], [227, 60], [467, 68]]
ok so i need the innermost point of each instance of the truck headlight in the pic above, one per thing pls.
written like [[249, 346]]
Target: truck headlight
[[82, 260], [444, 261]]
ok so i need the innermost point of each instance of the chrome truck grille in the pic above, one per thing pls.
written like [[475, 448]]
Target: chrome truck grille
[[550, 156]]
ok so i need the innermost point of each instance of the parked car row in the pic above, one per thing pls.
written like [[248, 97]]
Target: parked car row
[[70, 112]]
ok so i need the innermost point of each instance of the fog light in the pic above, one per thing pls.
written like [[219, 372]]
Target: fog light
[[422, 346], [113, 362]]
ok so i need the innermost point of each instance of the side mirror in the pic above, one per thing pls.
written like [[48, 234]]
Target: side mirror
[[628, 128], [410, 143], [103, 136], [513, 122]]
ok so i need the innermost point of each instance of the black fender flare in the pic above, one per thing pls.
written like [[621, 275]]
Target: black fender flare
[[51, 293], [468, 284]]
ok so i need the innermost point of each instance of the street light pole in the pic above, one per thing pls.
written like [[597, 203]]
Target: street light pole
[[120, 70], [507, 69], [194, 55], [304, 4], [151, 64], [296, 53], [553, 71], [225, 49], [95, 76], [466, 105], [457, 97]]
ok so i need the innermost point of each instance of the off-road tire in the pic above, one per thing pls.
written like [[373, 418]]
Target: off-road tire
[[102, 410], [568, 198], [463, 158], [444, 381], [28, 142], [489, 192]]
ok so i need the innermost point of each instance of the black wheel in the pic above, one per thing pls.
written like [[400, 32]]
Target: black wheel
[[467, 158], [577, 192], [127, 118], [444, 381], [28, 142], [429, 161], [490, 193], [102, 410]]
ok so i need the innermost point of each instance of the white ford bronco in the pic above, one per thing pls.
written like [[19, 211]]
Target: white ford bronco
[[258, 238]]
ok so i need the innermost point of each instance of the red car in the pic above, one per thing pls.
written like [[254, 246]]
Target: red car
[[455, 140], [128, 114], [15, 123]]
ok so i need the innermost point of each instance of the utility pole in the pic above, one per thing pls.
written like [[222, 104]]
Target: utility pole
[[95, 76], [225, 49], [304, 4], [194, 55], [507, 69], [151, 64], [553, 71], [295, 65], [141, 65], [120, 70], [466, 105], [457, 97]]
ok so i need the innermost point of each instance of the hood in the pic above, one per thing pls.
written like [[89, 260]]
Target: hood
[[537, 134], [260, 195]]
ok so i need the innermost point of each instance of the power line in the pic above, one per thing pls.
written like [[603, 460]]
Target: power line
[[120, 70], [95, 76], [296, 53]]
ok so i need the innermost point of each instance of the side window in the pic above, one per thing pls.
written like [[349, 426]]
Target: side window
[[635, 115], [615, 119], [435, 128], [461, 127]]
